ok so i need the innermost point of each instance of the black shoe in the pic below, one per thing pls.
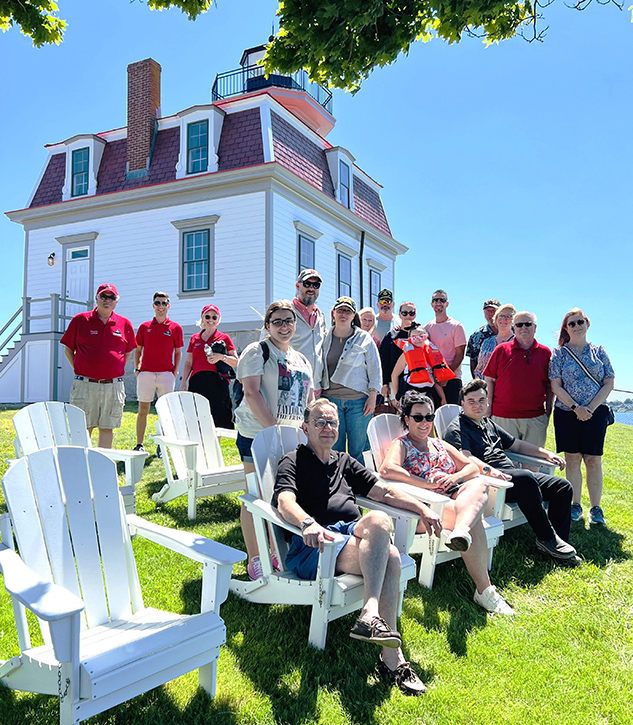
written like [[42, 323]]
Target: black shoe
[[556, 548], [139, 447], [404, 677], [376, 631]]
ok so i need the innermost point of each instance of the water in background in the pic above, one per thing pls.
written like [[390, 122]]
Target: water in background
[[626, 418]]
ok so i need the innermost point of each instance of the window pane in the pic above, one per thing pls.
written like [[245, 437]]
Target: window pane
[[79, 172], [197, 147], [306, 253], [375, 286], [344, 276], [344, 184], [195, 256]]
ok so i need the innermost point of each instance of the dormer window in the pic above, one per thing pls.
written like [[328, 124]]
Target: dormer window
[[80, 166], [198, 147], [341, 165], [200, 129]]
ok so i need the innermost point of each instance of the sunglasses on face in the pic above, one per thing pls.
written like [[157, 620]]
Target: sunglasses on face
[[523, 324], [417, 337], [573, 324], [418, 418], [111, 298], [211, 317], [384, 303], [322, 423], [438, 299], [280, 323], [161, 303], [407, 313], [314, 285]]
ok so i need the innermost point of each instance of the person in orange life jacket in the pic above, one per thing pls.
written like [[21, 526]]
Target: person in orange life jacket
[[423, 366]]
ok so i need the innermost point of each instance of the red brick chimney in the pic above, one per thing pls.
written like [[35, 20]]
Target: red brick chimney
[[143, 108]]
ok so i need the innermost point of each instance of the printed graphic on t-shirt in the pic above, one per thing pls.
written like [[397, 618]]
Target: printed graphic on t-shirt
[[293, 387]]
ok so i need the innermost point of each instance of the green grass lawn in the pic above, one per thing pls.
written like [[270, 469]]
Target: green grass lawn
[[566, 658]]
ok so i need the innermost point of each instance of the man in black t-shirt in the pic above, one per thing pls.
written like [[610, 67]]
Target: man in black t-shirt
[[315, 490], [485, 443]]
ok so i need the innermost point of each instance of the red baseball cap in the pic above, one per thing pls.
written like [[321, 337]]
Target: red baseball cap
[[108, 288], [208, 308]]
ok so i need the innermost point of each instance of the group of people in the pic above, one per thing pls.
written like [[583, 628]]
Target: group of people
[[329, 381]]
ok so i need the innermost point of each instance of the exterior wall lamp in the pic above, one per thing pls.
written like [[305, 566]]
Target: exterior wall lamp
[[51, 259]]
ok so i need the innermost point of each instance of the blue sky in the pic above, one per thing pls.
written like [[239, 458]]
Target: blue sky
[[506, 170]]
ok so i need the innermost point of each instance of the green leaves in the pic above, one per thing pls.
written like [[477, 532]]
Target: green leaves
[[35, 19]]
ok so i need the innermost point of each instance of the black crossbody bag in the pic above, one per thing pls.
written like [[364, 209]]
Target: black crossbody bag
[[583, 367]]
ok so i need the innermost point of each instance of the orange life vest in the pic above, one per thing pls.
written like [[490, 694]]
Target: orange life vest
[[417, 364], [438, 365]]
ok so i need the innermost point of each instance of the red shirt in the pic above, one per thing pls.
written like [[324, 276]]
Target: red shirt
[[159, 340], [521, 379], [196, 347], [309, 314], [99, 348]]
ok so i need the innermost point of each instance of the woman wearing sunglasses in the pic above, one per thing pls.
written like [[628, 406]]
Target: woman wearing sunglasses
[[417, 459], [582, 378], [351, 377], [204, 371], [502, 320], [277, 383]]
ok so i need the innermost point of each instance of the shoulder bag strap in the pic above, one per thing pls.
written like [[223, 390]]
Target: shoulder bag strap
[[582, 366]]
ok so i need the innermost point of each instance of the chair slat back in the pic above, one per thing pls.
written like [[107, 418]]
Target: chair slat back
[[382, 431], [69, 525], [187, 416], [41, 425], [269, 446], [445, 415]]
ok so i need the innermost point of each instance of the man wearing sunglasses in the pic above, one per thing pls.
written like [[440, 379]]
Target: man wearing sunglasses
[[97, 345], [315, 490], [311, 325], [156, 360], [449, 336], [390, 353], [384, 319], [519, 388]]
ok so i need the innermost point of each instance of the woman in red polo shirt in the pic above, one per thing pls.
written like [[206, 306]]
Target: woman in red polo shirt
[[207, 349]]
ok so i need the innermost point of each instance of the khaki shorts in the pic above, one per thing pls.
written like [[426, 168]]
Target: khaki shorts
[[532, 430], [148, 384], [101, 402]]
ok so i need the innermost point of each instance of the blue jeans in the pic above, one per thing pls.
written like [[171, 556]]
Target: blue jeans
[[352, 427]]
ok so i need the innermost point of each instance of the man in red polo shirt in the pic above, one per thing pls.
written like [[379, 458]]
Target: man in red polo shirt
[[156, 360], [98, 344], [518, 383]]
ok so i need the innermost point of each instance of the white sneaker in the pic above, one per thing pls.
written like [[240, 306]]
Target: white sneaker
[[459, 539], [492, 601]]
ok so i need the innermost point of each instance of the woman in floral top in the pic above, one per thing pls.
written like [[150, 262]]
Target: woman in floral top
[[426, 462], [580, 416]]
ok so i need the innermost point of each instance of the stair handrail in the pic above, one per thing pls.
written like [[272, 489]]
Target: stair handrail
[[13, 332]]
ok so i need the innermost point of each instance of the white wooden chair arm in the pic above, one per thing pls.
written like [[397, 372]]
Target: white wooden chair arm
[[392, 511], [46, 600], [496, 482], [423, 494], [226, 433], [193, 546], [184, 445], [267, 512], [118, 454], [531, 460]]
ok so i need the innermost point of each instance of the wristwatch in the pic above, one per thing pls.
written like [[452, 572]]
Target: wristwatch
[[486, 470], [574, 406], [308, 521]]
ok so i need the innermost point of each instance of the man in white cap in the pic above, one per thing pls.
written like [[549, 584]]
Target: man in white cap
[[311, 325]]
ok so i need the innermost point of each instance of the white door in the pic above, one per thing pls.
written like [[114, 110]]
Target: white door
[[77, 276]]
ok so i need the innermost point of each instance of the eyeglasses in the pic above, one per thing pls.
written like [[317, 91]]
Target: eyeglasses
[[322, 423], [111, 298], [439, 299], [573, 324], [407, 313], [314, 285], [523, 324], [504, 317], [429, 417], [161, 303], [211, 317], [289, 322]]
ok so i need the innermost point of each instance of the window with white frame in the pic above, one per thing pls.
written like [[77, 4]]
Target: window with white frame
[[344, 276], [375, 285], [80, 168], [197, 147], [195, 261], [344, 184], [305, 254]]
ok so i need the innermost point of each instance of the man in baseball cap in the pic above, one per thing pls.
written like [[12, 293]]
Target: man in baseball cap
[[98, 344], [384, 319], [311, 325], [475, 341]]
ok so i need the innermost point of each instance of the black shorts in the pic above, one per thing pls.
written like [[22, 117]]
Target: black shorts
[[580, 436]]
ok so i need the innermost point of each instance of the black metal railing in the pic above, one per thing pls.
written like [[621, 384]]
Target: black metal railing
[[253, 78]]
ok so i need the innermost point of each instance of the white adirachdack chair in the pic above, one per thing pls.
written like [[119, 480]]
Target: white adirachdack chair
[[191, 452], [382, 431], [76, 573], [509, 513], [330, 596], [41, 425]]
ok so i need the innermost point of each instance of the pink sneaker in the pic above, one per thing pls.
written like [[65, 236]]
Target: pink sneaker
[[254, 568], [275, 562]]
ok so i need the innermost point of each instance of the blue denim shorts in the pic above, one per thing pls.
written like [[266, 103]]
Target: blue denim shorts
[[303, 560], [244, 448]]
